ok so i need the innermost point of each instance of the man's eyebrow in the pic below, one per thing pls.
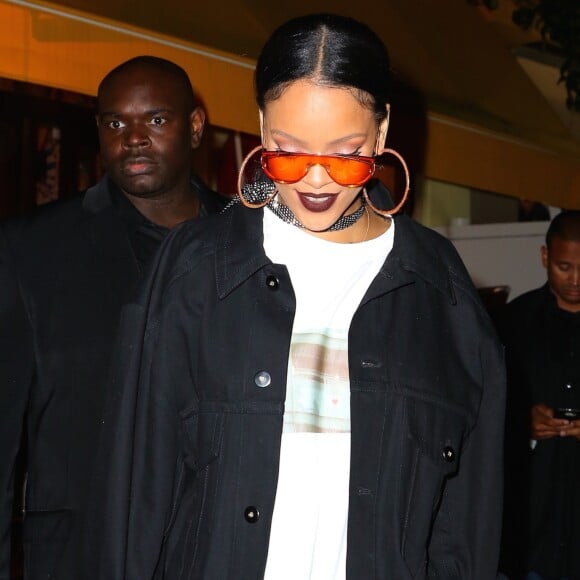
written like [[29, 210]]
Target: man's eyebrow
[[148, 113], [152, 112]]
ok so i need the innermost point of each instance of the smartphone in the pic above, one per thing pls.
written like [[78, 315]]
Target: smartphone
[[571, 414]]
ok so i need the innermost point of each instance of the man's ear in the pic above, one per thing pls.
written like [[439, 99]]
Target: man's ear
[[544, 256], [197, 123]]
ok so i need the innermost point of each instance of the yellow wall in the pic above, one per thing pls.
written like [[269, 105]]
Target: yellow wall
[[473, 157], [440, 203], [71, 50]]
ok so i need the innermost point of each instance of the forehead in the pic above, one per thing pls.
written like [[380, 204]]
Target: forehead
[[141, 88], [307, 109], [564, 250]]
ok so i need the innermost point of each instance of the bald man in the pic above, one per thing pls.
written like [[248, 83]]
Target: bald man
[[65, 273]]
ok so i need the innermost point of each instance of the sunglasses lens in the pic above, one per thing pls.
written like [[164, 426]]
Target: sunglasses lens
[[290, 168], [285, 168], [349, 172]]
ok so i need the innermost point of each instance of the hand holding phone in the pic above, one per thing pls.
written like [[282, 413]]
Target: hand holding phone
[[545, 425]]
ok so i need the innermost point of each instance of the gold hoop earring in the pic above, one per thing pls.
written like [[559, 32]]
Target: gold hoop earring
[[390, 212], [259, 192]]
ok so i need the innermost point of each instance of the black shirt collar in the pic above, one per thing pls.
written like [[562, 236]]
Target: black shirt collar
[[132, 217]]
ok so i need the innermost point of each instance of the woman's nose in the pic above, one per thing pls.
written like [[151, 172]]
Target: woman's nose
[[317, 176]]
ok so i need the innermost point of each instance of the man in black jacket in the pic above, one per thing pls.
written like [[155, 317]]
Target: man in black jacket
[[542, 336], [65, 273]]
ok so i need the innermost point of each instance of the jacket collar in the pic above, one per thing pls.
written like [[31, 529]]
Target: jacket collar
[[412, 257], [98, 197], [413, 253], [240, 253], [240, 247]]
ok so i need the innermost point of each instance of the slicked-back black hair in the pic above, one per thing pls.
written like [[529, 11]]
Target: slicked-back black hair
[[329, 50]]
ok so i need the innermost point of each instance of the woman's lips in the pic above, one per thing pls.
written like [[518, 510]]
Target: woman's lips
[[317, 202]]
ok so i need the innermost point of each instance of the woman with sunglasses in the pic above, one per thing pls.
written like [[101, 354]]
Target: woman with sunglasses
[[308, 386]]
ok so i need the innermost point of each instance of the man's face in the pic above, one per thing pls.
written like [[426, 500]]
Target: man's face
[[147, 131], [562, 261]]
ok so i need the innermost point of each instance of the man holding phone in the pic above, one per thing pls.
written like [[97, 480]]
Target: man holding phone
[[542, 338]]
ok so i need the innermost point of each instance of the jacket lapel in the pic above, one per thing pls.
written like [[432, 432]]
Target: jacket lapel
[[240, 252], [111, 250], [410, 260]]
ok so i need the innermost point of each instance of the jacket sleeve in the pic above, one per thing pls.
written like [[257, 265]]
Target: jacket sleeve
[[16, 373], [466, 534], [130, 502]]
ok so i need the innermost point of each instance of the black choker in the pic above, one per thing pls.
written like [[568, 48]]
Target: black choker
[[259, 191], [344, 222]]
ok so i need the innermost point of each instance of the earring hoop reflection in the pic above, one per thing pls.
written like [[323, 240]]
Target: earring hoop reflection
[[394, 210]]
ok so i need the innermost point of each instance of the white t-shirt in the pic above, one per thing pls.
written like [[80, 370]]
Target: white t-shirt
[[309, 525]]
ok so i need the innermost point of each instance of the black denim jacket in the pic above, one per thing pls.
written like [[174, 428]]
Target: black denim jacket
[[190, 458]]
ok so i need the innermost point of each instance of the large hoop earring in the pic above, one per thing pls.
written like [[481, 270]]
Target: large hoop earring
[[259, 192], [390, 212]]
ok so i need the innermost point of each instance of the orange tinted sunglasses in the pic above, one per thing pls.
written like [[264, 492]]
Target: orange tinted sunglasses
[[346, 170]]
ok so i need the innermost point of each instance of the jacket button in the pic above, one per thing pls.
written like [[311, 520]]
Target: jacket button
[[251, 514], [272, 282], [263, 379], [371, 364], [449, 454]]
